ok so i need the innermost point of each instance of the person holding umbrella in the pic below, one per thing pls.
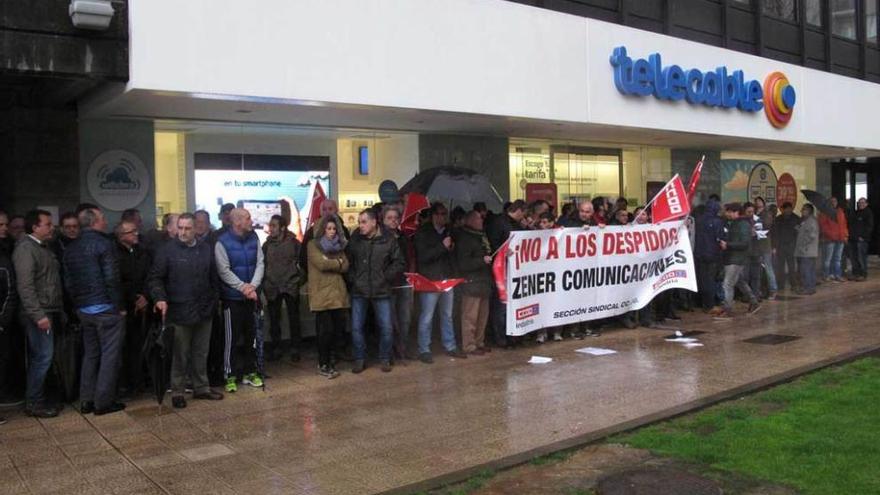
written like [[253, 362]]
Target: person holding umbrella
[[183, 282]]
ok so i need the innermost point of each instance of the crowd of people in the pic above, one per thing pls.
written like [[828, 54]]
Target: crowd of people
[[210, 287]]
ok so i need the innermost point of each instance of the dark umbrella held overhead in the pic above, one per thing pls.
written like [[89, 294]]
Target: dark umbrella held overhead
[[820, 203], [454, 185], [157, 352]]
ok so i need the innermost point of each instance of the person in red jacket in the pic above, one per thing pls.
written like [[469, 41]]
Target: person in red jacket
[[834, 234]]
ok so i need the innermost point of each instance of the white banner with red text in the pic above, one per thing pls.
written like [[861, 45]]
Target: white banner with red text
[[564, 276]]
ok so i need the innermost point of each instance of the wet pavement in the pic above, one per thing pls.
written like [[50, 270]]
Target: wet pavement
[[420, 425]]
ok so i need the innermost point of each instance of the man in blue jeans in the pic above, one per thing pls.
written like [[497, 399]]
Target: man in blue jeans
[[91, 276], [375, 263], [433, 245], [38, 280]]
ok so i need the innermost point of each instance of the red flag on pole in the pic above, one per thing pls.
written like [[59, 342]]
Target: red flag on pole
[[318, 197], [695, 179], [422, 284], [413, 204], [671, 202], [499, 271]]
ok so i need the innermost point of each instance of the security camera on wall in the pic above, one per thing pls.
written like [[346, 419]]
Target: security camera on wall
[[91, 14]]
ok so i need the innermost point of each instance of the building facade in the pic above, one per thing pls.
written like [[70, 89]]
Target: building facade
[[209, 101]]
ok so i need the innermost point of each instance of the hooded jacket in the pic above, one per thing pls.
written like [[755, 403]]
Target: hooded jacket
[[709, 230]]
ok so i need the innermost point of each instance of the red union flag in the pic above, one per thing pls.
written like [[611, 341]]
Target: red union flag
[[671, 202], [318, 197], [421, 284], [499, 271], [695, 179]]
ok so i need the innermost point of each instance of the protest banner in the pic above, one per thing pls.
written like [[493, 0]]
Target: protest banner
[[564, 276]]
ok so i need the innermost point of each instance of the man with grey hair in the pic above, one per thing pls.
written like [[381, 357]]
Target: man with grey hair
[[91, 276], [134, 265]]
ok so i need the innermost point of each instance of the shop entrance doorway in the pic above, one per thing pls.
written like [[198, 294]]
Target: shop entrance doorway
[[851, 180]]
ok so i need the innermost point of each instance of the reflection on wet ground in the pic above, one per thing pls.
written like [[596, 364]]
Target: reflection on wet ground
[[376, 432]]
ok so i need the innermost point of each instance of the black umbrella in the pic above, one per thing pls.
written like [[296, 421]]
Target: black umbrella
[[67, 360], [158, 350], [454, 185], [820, 202], [258, 342]]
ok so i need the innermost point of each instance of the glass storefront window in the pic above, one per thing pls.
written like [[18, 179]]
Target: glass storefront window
[[843, 18], [783, 9], [813, 12], [871, 21]]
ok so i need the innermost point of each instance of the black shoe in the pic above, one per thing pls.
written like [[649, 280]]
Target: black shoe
[[753, 308], [673, 317], [178, 402], [3, 420], [386, 366], [426, 358], [87, 407], [457, 354], [358, 366], [209, 395], [41, 412], [112, 408]]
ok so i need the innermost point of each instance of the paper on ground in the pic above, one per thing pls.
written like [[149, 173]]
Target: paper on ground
[[540, 360], [683, 340], [693, 344], [596, 351]]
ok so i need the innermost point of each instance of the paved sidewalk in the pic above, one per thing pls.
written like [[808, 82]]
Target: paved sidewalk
[[421, 425]]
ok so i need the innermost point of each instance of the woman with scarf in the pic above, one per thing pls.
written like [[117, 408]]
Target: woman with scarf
[[328, 296]]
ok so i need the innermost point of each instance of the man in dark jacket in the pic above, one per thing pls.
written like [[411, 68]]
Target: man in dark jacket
[[38, 283], [584, 216], [433, 246], [91, 275], [736, 257], [861, 227], [8, 306], [473, 259], [401, 289], [183, 282], [281, 283], [784, 239], [376, 262], [134, 266], [707, 252], [498, 231], [240, 267]]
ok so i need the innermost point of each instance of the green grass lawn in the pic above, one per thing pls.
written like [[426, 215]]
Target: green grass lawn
[[819, 434]]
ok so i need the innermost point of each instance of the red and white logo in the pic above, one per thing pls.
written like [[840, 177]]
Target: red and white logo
[[528, 312], [671, 202]]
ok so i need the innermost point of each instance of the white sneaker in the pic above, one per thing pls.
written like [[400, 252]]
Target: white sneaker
[[557, 336], [542, 337]]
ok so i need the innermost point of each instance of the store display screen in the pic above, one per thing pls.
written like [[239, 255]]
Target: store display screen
[[259, 191]]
